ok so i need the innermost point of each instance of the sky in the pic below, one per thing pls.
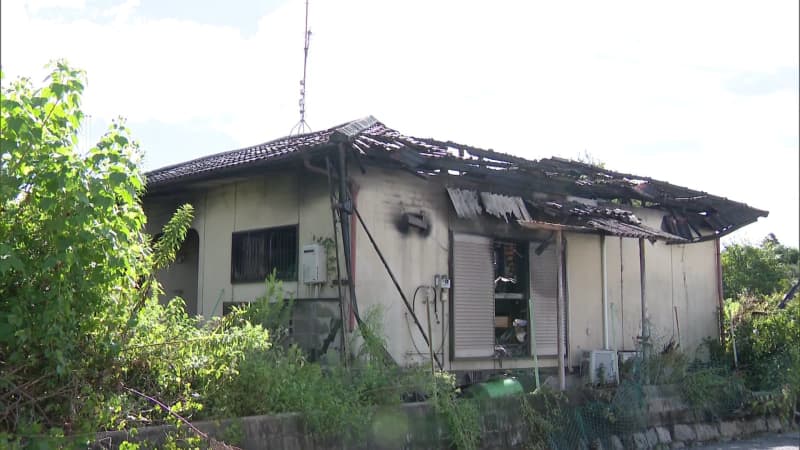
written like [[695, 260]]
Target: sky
[[700, 94]]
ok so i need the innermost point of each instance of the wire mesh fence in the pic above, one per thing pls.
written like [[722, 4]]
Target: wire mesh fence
[[709, 392]]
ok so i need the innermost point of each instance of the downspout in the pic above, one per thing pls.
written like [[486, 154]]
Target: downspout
[[353, 193], [720, 293], [621, 294], [643, 278], [562, 382], [604, 284], [343, 355], [345, 209]]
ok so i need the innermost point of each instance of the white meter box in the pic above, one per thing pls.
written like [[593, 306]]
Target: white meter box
[[313, 264]]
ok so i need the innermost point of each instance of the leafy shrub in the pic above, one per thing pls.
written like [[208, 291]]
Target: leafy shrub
[[461, 415], [75, 263], [715, 392], [768, 342], [184, 362], [761, 270], [543, 410], [768, 345], [665, 367], [84, 344]]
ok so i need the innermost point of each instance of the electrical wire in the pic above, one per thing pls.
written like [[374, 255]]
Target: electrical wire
[[413, 310]]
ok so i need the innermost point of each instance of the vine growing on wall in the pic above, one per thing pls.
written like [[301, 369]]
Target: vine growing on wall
[[330, 256]]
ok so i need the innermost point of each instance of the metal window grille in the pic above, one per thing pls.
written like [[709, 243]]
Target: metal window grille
[[256, 253]]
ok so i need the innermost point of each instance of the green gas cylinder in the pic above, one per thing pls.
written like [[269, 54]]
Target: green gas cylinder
[[494, 388]]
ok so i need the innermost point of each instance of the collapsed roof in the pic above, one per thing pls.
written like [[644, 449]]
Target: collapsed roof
[[546, 193]]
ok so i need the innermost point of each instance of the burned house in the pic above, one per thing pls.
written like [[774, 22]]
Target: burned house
[[477, 260]]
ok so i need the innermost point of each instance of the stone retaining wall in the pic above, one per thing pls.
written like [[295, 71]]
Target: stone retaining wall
[[671, 424], [410, 426], [687, 435]]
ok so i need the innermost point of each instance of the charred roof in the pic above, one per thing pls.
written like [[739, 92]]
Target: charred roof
[[692, 215]]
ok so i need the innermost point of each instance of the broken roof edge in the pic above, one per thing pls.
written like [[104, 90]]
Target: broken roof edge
[[633, 232], [630, 176], [431, 151]]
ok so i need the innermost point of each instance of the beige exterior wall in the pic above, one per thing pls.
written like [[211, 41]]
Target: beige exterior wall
[[274, 199], [678, 278], [177, 277], [414, 258], [682, 276], [382, 197]]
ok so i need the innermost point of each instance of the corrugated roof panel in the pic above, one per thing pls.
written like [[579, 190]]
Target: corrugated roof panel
[[465, 202]]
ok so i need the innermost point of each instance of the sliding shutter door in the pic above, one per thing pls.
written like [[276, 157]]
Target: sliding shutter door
[[473, 296], [544, 294]]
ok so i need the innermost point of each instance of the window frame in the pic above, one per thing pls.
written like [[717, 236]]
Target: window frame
[[268, 269], [523, 271]]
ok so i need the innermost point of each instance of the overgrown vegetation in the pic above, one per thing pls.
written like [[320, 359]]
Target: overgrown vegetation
[[755, 369], [761, 271], [85, 344], [763, 340]]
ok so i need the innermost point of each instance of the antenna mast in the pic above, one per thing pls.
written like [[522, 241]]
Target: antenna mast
[[302, 125]]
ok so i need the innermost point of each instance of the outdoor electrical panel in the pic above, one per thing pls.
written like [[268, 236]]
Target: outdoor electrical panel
[[313, 264]]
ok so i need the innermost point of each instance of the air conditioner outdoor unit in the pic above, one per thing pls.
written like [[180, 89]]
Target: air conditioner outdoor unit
[[595, 359]]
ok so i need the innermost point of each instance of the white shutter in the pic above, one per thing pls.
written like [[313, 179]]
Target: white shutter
[[544, 294], [473, 296]]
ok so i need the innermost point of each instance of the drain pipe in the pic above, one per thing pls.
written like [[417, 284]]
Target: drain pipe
[[604, 284], [343, 354], [345, 209], [430, 332], [643, 279], [562, 381], [720, 293]]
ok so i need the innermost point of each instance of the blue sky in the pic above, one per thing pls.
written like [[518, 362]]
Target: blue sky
[[701, 94]]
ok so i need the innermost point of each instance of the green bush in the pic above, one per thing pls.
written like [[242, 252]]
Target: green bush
[[768, 346], [714, 392], [759, 270], [75, 263], [84, 343]]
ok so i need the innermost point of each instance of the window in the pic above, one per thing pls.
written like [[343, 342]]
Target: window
[[511, 315], [499, 286], [490, 298], [256, 253]]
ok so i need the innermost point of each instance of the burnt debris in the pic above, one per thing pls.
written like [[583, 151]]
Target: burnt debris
[[562, 193]]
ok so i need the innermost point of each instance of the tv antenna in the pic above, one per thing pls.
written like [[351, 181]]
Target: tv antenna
[[302, 125]]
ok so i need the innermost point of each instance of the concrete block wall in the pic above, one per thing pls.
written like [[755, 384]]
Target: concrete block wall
[[502, 426], [312, 322]]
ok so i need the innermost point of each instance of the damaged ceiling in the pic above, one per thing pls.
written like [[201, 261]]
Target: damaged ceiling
[[507, 187]]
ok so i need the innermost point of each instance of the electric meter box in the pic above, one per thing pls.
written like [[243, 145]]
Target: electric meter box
[[313, 264]]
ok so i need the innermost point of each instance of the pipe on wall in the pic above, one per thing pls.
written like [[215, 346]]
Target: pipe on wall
[[720, 292], [604, 287], [343, 353], [643, 281], [562, 382]]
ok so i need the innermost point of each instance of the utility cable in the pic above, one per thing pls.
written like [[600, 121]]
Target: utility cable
[[396, 283]]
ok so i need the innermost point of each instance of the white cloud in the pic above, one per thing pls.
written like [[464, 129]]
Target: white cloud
[[38, 5], [644, 87]]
